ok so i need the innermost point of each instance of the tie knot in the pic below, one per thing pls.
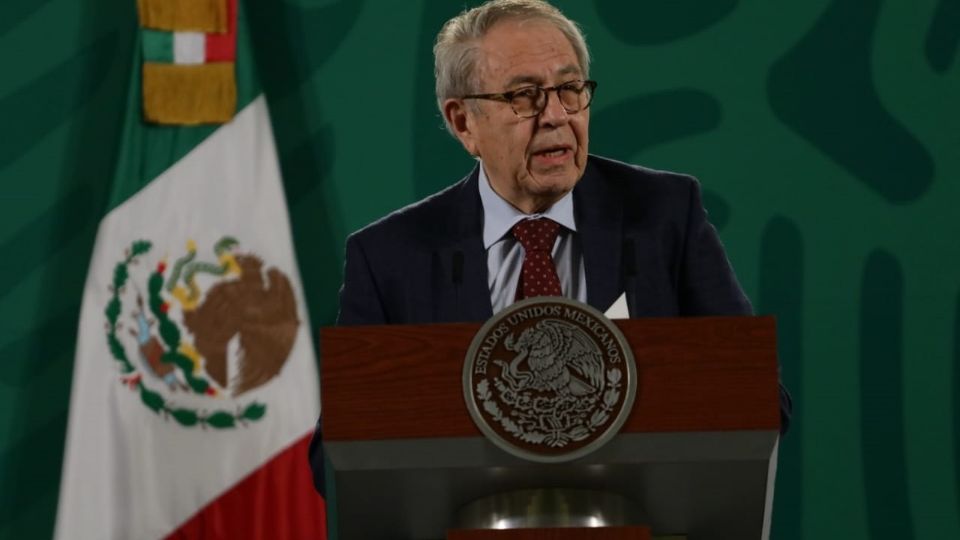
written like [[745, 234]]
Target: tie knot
[[536, 234]]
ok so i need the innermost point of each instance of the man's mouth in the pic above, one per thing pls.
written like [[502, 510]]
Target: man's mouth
[[552, 151]]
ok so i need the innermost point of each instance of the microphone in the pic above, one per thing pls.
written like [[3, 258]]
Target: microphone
[[456, 273], [457, 267], [629, 259], [628, 265]]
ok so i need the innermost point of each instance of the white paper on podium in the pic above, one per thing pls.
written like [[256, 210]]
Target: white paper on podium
[[618, 310]]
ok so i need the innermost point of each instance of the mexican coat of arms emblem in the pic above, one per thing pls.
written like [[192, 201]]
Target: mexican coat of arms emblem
[[192, 335], [549, 379]]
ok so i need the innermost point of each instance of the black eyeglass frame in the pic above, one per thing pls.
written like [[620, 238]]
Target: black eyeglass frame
[[507, 97]]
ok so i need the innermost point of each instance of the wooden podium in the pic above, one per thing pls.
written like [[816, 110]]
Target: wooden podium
[[697, 454]]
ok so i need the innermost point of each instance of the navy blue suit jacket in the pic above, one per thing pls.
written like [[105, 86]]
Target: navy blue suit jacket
[[643, 232]]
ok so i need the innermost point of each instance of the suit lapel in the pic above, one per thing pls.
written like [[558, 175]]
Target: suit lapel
[[463, 290], [598, 212], [599, 215]]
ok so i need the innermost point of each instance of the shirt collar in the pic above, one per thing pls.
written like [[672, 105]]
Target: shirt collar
[[499, 216]]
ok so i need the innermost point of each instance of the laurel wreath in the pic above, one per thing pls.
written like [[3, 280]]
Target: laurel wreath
[[556, 438], [170, 333]]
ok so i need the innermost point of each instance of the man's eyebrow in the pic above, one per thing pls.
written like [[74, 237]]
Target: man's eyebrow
[[518, 80]]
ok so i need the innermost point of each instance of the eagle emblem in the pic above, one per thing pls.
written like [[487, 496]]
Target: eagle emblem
[[549, 379], [192, 334], [553, 356]]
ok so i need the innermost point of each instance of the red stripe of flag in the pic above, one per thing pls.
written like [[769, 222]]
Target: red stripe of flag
[[223, 47], [275, 502]]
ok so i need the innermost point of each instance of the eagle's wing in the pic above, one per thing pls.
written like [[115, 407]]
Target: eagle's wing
[[581, 355]]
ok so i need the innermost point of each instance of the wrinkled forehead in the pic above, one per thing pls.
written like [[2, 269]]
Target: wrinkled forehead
[[532, 51]]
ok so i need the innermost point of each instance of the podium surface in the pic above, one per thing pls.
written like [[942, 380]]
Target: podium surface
[[696, 454]]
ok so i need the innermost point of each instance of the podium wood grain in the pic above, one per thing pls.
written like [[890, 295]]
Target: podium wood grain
[[701, 374]]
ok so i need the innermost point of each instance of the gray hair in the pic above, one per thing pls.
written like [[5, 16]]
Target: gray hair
[[456, 50]]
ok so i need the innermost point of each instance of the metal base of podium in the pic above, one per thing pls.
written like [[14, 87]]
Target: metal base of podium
[[542, 508], [705, 485]]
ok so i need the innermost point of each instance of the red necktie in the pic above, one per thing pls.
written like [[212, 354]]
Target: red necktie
[[538, 276]]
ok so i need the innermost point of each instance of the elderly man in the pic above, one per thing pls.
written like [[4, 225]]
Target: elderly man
[[538, 215], [513, 86]]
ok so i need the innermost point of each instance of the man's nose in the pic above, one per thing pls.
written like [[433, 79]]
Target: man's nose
[[553, 112]]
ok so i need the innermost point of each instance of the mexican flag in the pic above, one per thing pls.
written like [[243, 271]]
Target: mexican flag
[[195, 386]]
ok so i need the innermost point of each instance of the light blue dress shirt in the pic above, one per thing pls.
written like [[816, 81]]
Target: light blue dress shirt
[[505, 254]]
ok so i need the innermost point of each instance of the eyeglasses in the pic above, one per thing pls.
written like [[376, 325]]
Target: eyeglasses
[[530, 101]]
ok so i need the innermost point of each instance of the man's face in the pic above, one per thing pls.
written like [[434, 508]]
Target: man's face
[[531, 162]]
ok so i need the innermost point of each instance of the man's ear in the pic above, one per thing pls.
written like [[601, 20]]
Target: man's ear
[[460, 121]]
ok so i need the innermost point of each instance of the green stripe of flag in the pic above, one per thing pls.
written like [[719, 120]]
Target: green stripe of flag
[[157, 46], [148, 150]]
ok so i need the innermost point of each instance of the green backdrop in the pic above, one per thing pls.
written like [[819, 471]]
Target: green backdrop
[[825, 132]]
